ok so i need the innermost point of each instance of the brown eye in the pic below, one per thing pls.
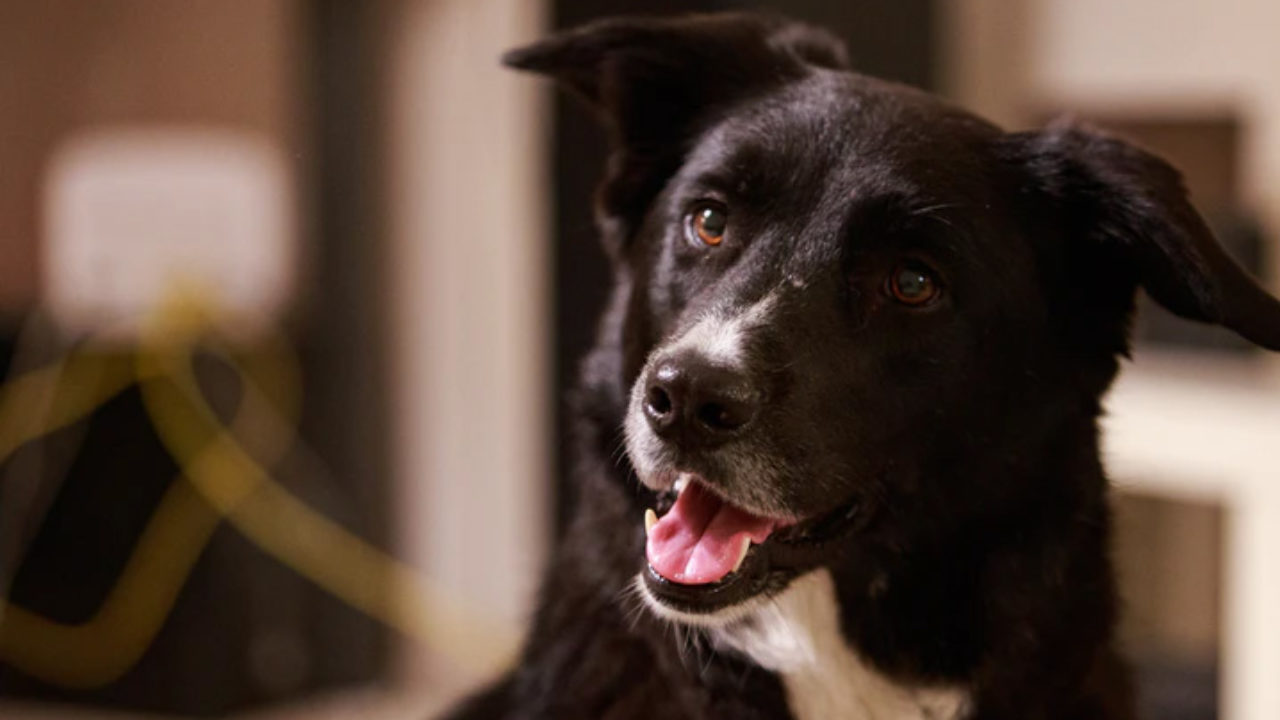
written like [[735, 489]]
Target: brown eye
[[912, 284], [708, 223]]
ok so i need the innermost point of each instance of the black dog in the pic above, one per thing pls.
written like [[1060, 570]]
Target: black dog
[[857, 344]]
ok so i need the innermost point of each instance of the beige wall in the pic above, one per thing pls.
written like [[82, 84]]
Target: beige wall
[[467, 196], [1175, 547], [68, 64], [1014, 58], [1179, 55]]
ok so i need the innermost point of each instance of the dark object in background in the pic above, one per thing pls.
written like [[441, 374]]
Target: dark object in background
[[245, 630], [1169, 690]]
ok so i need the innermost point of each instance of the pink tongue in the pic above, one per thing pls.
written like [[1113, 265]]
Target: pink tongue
[[699, 540]]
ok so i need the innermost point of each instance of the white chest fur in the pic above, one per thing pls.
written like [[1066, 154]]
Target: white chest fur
[[797, 635]]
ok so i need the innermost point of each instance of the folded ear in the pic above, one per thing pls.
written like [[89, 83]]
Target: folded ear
[[1132, 208], [657, 81]]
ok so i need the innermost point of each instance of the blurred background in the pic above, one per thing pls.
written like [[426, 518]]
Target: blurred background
[[291, 292]]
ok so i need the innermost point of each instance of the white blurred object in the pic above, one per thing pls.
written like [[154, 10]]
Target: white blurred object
[[467, 271], [134, 215], [1199, 428]]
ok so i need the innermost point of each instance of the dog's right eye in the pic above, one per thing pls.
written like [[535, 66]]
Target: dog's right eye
[[707, 224]]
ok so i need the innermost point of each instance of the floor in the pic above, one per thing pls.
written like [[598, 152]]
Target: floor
[[366, 705]]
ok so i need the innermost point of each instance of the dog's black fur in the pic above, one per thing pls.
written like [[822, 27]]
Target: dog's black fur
[[966, 431]]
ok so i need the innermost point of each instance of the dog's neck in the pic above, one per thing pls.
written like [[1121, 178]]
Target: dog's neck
[[798, 636]]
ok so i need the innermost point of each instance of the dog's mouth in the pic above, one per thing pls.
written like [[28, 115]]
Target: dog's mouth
[[705, 554], [702, 539]]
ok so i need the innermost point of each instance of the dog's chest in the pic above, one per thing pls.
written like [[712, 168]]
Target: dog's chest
[[797, 635]]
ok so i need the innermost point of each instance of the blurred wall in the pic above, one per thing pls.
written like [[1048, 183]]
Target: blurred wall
[[67, 65], [468, 264], [283, 72], [1017, 58], [1180, 55]]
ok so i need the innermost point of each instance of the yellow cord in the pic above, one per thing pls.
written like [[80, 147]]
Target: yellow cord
[[224, 475]]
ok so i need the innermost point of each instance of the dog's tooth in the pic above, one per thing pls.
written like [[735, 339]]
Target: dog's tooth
[[650, 519], [742, 554], [680, 483]]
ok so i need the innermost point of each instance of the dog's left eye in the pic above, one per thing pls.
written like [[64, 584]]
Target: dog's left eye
[[707, 223], [913, 284]]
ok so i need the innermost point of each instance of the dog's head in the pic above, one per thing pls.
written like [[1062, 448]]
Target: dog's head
[[851, 314]]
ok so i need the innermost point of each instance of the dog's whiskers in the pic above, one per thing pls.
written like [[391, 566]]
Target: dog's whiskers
[[619, 442], [633, 605]]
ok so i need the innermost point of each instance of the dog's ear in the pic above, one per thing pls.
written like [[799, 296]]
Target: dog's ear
[[657, 81], [1130, 210]]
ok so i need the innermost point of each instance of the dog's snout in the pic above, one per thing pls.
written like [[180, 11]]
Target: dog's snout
[[697, 403]]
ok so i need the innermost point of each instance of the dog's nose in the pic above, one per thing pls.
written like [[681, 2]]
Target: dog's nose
[[696, 402]]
